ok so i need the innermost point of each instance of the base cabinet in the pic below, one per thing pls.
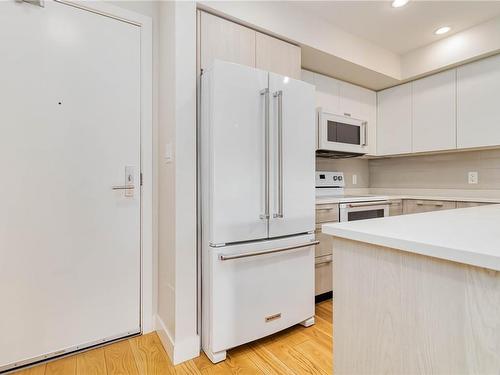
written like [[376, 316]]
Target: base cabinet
[[325, 213], [323, 274], [413, 206], [395, 207], [470, 204]]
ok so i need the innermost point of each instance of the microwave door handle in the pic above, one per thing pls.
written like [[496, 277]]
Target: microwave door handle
[[279, 96], [363, 133]]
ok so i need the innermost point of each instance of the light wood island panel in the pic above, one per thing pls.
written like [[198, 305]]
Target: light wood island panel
[[402, 313]]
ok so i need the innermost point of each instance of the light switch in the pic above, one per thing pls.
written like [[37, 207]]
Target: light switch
[[169, 154], [473, 178]]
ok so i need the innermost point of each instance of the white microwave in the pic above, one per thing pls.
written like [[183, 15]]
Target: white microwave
[[343, 134]]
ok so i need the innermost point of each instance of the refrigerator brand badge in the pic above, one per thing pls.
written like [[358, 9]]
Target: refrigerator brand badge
[[270, 318]]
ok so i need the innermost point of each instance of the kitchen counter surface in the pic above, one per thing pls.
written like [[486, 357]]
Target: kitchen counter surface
[[466, 235], [371, 197]]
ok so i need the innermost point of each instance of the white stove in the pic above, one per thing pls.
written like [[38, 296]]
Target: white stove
[[330, 188]]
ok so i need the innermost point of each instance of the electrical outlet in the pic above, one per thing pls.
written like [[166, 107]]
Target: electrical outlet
[[473, 178], [354, 179]]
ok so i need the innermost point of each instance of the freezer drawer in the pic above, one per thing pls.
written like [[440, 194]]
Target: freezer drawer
[[254, 296]]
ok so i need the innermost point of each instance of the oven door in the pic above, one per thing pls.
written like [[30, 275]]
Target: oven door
[[363, 210], [341, 133]]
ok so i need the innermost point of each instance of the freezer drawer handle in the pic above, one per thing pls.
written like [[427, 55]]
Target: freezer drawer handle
[[264, 252]]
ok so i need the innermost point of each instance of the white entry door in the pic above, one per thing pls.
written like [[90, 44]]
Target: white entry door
[[69, 128]]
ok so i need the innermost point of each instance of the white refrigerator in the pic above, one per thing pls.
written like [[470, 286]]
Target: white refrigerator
[[257, 187]]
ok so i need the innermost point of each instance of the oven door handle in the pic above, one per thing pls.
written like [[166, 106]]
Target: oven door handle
[[367, 204]]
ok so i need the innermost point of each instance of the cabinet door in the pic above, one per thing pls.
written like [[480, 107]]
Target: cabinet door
[[225, 40], [434, 112], [293, 188], [323, 275], [277, 56], [368, 110], [478, 115], [327, 93], [395, 207], [349, 100], [411, 206], [471, 204], [394, 120]]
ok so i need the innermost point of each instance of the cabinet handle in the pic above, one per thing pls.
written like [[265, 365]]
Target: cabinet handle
[[325, 209], [430, 204], [347, 114]]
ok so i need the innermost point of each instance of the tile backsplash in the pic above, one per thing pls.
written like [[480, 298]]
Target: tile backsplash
[[442, 171], [350, 167]]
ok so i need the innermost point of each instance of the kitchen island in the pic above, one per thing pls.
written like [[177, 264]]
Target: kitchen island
[[418, 294]]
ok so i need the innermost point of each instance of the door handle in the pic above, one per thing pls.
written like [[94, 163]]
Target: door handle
[[129, 186], [265, 92], [123, 187], [279, 95]]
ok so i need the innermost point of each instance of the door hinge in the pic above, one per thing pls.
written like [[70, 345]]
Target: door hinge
[[141, 179], [40, 3]]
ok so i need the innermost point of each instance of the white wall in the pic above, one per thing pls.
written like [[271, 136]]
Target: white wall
[[294, 24], [473, 43], [177, 277]]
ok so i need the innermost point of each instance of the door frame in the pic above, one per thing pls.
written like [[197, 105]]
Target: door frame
[[148, 191]]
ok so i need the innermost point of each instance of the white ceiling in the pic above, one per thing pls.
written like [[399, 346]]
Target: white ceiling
[[401, 29]]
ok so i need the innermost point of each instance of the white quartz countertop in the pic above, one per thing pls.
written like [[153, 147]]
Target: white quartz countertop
[[467, 235], [368, 197]]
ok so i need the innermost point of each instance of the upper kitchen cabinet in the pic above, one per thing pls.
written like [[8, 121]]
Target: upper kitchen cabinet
[[225, 40], [277, 56], [394, 133], [478, 115], [327, 93], [349, 100], [434, 112], [368, 112]]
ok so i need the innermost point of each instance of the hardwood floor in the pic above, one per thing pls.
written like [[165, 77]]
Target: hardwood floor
[[297, 350]]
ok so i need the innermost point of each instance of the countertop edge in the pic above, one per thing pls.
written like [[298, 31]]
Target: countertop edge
[[439, 252]]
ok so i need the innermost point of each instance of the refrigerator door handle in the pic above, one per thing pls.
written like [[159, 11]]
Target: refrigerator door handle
[[264, 252], [279, 96], [265, 92]]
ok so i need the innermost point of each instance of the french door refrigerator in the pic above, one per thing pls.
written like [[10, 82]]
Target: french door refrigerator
[[257, 189]]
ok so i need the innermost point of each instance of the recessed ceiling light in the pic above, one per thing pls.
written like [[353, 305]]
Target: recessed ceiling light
[[399, 3], [442, 30]]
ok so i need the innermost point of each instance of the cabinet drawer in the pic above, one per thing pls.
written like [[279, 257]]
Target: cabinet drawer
[[396, 207], [470, 204], [411, 206], [325, 242], [326, 213], [323, 274]]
